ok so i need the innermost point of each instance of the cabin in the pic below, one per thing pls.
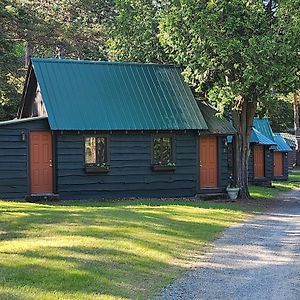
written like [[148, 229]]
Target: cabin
[[89, 129], [281, 160], [291, 140], [261, 160]]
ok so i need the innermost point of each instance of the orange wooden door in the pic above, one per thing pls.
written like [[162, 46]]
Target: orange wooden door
[[208, 162], [278, 164], [259, 161], [41, 175]]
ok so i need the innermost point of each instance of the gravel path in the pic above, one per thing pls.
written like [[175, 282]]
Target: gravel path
[[259, 259]]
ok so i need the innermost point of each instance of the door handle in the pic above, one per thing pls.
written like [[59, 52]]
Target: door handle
[[50, 163]]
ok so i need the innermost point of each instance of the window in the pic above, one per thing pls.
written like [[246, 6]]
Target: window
[[163, 153], [96, 154]]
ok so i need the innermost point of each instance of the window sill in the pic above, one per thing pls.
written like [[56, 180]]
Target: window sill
[[161, 168], [96, 170]]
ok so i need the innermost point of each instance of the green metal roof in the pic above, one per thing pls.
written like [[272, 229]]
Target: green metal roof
[[263, 126], [257, 137], [89, 95], [215, 124], [282, 146], [290, 139]]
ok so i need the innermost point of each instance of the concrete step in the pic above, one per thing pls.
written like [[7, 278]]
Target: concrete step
[[42, 197], [212, 196]]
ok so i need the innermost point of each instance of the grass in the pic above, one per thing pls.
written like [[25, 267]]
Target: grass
[[93, 250], [277, 187]]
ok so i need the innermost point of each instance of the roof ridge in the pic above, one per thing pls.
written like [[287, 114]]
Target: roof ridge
[[101, 62]]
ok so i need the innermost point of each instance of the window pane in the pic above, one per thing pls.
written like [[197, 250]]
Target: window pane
[[90, 150], [167, 149], [156, 150], [101, 150], [162, 150]]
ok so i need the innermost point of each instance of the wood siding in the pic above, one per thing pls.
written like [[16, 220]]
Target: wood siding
[[292, 159], [14, 180], [130, 168], [130, 173]]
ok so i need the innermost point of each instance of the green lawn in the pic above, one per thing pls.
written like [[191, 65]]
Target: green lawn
[[121, 250], [278, 186]]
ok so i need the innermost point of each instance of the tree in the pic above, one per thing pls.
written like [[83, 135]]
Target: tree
[[296, 119], [279, 110], [134, 35], [10, 62], [58, 28], [235, 52]]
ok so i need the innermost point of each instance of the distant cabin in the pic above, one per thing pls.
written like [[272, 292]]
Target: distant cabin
[[90, 129], [269, 154]]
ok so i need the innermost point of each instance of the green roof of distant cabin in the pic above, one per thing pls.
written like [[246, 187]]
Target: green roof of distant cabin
[[264, 127], [257, 137], [99, 95], [289, 138], [282, 145]]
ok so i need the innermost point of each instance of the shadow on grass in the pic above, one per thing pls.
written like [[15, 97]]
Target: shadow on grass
[[125, 250]]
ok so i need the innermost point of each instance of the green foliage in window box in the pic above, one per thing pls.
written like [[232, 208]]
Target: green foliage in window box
[[164, 166], [97, 168]]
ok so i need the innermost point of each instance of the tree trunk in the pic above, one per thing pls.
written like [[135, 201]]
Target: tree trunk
[[296, 120], [28, 53], [242, 121]]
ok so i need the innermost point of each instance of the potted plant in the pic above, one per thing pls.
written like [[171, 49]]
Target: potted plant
[[232, 189]]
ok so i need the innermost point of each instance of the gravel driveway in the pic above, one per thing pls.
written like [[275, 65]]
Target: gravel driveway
[[259, 259]]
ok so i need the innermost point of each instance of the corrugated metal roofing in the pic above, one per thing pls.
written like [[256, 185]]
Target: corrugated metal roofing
[[258, 138], [215, 124], [88, 95], [263, 126], [16, 121], [282, 146], [290, 139]]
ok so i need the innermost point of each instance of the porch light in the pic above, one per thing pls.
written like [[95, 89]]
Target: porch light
[[23, 136]]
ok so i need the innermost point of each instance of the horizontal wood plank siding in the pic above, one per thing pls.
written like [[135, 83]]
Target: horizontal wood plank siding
[[130, 168], [14, 157], [251, 165], [224, 164]]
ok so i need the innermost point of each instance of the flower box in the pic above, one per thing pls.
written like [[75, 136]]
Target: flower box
[[96, 170], [163, 168]]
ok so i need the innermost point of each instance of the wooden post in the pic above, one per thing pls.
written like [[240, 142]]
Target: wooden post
[[28, 53], [296, 120], [296, 124]]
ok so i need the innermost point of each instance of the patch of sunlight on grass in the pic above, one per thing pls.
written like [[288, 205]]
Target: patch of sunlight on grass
[[25, 293], [294, 175], [277, 187], [261, 192], [96, 250]]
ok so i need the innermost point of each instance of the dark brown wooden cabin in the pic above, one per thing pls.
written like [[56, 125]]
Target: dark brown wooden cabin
[[106, 129]]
